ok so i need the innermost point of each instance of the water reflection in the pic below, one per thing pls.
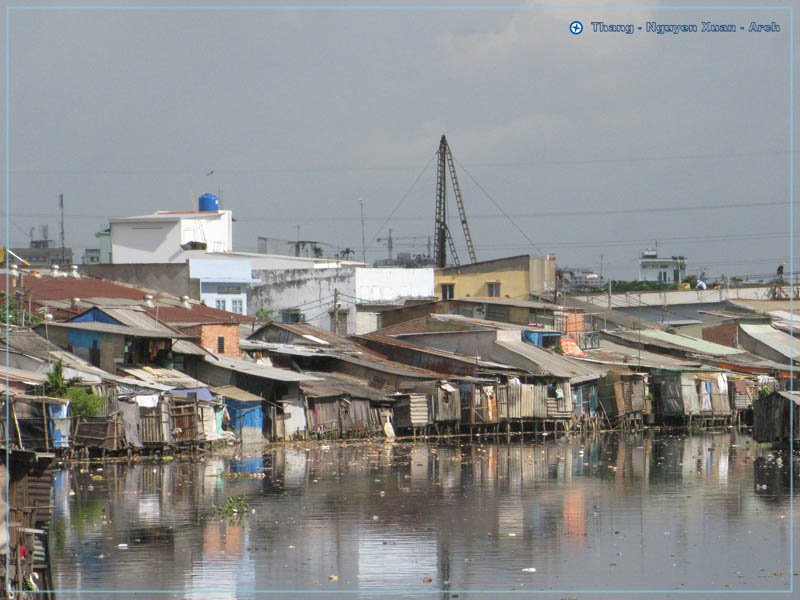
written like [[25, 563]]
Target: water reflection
[[604, 512]]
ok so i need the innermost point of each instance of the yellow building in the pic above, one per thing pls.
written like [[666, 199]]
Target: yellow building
[[513, 277]]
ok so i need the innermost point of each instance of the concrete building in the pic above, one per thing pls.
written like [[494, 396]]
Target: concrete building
[[577, 279], [382, 289], [325, 298], [664, 270], [102, 254], [513, 277], [43, 253], [223, 283], [166, 236]]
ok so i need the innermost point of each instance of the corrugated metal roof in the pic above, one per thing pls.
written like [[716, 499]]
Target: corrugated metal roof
[[675, 341], [335, 384], [516, 303], [187, 347], [235, 393], [383, 365], [118, 329], [689, 342], [550, 363], [22, 375], [471, 360], [779, 341], [791, 396], [287, 349], [168, 377], [257, 370], [134, 317], [479, 322], [619, 355]]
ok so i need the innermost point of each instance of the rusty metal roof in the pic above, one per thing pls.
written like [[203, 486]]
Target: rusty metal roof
[[331, 385]]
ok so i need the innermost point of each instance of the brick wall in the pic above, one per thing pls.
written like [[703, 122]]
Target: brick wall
[[209, 334], [726, 334]]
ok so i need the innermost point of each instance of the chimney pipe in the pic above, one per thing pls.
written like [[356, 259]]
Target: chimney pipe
[[185, 302], [73, 272], [75, 302], [54, 270], [148, 301]]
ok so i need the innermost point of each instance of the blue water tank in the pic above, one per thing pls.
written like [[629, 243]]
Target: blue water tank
[[208, 203]]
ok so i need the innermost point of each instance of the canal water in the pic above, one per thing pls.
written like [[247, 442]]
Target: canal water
[[650, 515]]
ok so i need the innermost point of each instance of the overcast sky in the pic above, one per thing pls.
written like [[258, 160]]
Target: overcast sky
[[589, 142]]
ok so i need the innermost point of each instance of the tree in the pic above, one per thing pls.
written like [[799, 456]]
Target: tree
[[55, 385], [265, 313], [84, 404]]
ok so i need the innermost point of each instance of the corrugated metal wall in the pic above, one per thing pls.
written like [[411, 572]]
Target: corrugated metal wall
[[445, 406]]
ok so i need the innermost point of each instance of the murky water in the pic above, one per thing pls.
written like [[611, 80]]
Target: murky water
[[575, 518]]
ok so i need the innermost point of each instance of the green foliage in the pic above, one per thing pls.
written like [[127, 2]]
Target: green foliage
[[234, 508], [55, 385], [265, 314], [14, 313], [85, 404], [82, 403]]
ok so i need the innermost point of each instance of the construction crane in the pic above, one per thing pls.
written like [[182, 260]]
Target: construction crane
[[442, 233], [390, 241]]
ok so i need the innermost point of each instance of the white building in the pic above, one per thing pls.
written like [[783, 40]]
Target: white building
[[223, 283], [389, 285], [168, 236], [383, 288], [670, 269]]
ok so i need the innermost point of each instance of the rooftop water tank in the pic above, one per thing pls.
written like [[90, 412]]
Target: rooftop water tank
[[208, 203]]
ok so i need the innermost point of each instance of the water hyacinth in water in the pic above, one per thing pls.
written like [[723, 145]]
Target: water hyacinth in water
[[235, 507]]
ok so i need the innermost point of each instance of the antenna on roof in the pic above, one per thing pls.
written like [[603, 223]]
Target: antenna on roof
[[61, 208]]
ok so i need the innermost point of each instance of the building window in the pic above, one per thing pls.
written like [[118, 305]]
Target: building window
[[448, 291], [236, 306], [222, 304], [494, 289], [292, 316], [220, 344]]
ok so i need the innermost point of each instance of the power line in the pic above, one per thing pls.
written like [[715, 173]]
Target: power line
[[352, 168], [500, 208], [399, 204], [521, 215]]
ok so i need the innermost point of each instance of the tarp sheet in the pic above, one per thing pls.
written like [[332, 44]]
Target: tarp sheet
[[130, 422], [202, 393]]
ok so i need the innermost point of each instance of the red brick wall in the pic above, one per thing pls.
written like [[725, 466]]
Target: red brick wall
[[208, 335], [726, 334]]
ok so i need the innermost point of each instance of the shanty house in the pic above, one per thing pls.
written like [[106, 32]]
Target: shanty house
[[341, 406], [776, 418]]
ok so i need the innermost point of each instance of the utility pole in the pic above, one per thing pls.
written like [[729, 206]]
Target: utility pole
[[363, 236], [336, 311], [61, 207]]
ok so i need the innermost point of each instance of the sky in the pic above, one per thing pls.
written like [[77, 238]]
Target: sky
[[591, 147]]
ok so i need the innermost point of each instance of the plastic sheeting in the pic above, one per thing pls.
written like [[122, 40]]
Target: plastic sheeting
[[130, 423], [247, 419]]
